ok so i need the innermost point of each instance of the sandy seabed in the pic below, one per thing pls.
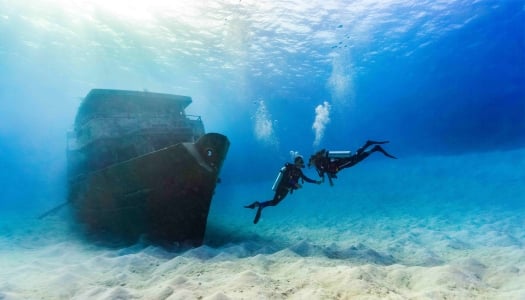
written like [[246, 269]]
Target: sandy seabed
[[423, 230]]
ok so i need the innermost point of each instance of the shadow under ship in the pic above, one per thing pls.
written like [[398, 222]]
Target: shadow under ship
[[139, 166]]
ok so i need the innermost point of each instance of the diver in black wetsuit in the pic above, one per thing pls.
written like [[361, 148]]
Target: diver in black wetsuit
[[324, 163], [288, 183]]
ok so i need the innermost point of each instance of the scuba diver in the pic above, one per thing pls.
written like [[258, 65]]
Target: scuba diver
[[331, 162], [287, 181]]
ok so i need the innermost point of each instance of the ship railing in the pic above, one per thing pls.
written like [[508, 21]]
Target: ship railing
[[172, 116], [192, 122], [194, 117], [188, 132]]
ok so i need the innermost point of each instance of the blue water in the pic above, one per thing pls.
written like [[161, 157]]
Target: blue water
[[443, 81]]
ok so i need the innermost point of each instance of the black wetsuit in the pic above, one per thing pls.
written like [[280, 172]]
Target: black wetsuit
[[324, 164], [289, 182]]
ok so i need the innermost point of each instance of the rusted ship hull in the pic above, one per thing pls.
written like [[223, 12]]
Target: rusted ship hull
[[164, 195]]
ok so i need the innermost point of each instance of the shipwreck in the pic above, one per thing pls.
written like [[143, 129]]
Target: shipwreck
[[138, 166]]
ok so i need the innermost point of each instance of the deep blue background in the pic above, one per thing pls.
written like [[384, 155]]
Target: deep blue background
[[433, 79]]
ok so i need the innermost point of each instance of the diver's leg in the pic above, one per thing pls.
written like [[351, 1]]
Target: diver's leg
[[361, 155], [253, 205], [352, 160], [380, 149], [259, 210], [278, 197], [257, 215], [368, 144]]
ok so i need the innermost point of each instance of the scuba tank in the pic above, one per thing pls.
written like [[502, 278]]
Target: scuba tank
[[338, 154], [278, 179]]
